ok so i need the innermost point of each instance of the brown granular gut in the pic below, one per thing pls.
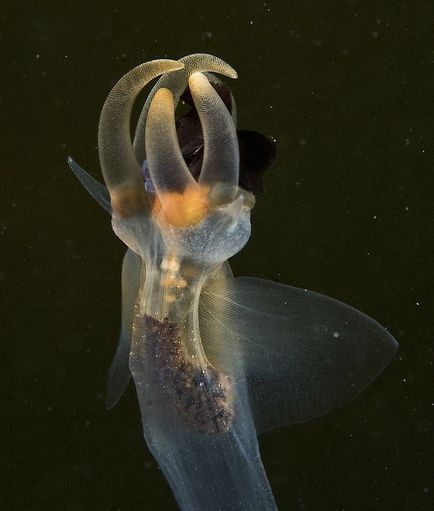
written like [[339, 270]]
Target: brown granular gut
[[202, 395]]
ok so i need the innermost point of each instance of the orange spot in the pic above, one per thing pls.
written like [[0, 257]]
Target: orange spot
[[182, 209]]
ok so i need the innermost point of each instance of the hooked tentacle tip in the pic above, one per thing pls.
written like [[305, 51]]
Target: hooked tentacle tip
[[163, 96], [198, 82]]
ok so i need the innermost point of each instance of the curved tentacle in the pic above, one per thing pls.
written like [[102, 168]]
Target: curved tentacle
[[221, 160], [181, 198], [232, 106], [119, 165], [176, 82]]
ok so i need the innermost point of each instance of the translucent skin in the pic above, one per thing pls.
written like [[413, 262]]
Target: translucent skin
[[215, 359]]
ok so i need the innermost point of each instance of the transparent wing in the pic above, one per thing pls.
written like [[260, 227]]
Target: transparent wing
[[119, 373], [98, 191], [303, 353]]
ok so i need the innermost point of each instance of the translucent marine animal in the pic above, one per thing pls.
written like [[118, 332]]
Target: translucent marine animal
[[216, 360]]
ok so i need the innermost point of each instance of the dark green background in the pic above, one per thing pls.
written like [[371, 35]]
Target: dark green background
[[346, 87]]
